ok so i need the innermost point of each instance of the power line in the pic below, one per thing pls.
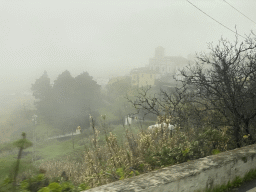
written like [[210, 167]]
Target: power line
[[239, 11], [216, 20]]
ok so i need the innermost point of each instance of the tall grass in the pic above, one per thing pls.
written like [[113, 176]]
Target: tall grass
[[108, 161]]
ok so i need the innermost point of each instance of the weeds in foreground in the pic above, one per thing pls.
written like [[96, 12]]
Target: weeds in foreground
[[139, 154], [109, 161]]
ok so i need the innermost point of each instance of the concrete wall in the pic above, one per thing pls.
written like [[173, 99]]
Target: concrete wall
[[190, 176]]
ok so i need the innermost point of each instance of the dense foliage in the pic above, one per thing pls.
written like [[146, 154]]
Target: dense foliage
[[68, 102]]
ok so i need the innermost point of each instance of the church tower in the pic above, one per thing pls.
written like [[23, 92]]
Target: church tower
[[159, 52]]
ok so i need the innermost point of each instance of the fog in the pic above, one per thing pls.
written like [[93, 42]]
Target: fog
[[106, 38], [57, 61]]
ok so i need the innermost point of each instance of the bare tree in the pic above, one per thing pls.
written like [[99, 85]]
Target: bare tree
[[168, 103], [218, 90], [225, 82]]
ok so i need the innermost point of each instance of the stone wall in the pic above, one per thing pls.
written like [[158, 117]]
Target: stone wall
[[190, 176]]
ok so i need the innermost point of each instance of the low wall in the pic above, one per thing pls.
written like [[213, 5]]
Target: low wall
[[194, 175], [66, 135]]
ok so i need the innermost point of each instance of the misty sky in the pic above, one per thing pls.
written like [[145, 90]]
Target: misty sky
[[106, 37]]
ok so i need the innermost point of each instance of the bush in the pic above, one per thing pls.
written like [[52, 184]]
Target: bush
[[6, 185], [55, 187], [34, 183]]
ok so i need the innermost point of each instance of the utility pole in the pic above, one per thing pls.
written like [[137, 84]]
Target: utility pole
[[34, 139]]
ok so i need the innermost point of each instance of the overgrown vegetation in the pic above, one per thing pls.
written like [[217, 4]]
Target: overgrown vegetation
[[110, 161], [213, 109]]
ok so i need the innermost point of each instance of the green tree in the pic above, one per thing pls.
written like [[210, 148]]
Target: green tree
[[63, 95], [42, 91], [116, 94], [75, 98], [69, 101], [119, 88], [87, 91], [88, 98]]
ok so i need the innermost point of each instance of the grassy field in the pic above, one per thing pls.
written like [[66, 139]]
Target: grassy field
[[53, 149]]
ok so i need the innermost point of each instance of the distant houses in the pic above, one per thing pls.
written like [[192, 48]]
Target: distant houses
[[143, 77], [119, 78], [161, 69]]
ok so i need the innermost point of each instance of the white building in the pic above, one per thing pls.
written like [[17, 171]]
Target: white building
[[165, 64]]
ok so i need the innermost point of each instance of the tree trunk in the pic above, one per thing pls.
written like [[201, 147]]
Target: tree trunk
[[236, 134], [17, 168], [246, 127]]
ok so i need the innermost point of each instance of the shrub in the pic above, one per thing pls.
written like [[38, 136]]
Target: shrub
[[55, 187], [34, 183]]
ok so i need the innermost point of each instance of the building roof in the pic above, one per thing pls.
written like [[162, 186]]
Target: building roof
[[142, 70], [178, 59], [118, 78]]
